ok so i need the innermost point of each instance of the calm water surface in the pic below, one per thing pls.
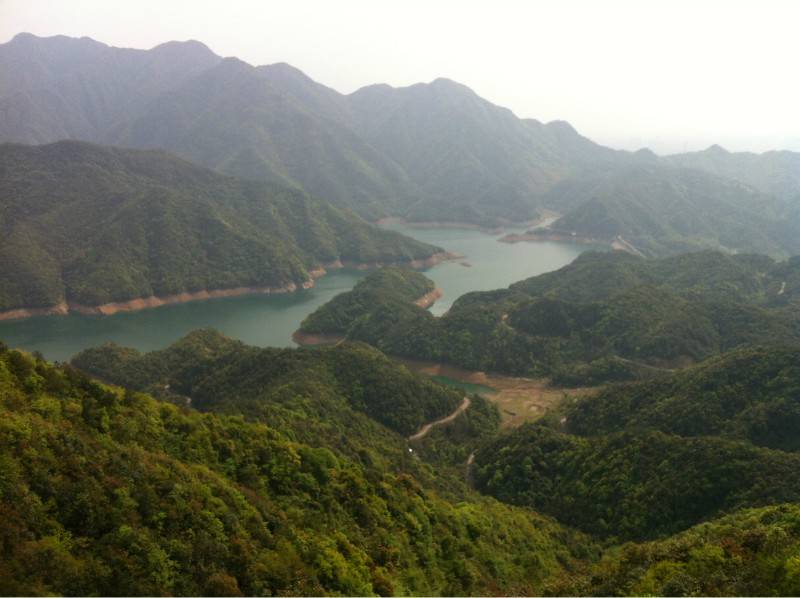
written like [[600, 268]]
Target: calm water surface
[[270, 320]]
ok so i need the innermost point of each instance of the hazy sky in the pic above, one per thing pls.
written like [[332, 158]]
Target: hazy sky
[[671, 75]]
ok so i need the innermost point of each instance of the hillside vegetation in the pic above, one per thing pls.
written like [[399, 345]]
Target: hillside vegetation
[[388, 288], [108, 491], [606, 316], [87, 224], [291, 483], [652, 458], [663, 210]]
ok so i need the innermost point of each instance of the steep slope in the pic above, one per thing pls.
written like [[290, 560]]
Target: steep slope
[[87, 225], [471, 160], [776, 172], [393, 287], [271, 122], [751, 394], [108, 491], [680, 450], [220, 374], [663, 210], [66, 88], [748, 553], [430, 151]]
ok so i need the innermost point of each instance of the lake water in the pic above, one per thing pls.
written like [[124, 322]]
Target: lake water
[[266, 320]]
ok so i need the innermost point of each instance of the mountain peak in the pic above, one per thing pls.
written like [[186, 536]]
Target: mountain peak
[[189, 46], [561, 126], [716, 149]]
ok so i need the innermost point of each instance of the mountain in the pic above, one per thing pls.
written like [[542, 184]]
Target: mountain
[[221, 374], [107, 491], [686, 447], [776, 172], [607, 316], [271, 122], [470, 159], [66, 88], [663, 210], [430, 151], [86, 225]]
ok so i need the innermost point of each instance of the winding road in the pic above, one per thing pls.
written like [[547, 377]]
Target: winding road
[[423, 431]]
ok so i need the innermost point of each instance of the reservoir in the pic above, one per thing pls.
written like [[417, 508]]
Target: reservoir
[[270, 320]]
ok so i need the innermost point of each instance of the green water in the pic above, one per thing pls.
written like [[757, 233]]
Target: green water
[[270, 320]]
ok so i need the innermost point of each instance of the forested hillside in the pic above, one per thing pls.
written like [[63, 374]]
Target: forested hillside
[[291, 483], [433, 152], [606, 316], [221, 374], [108, 491], [775, 172], [663, 210], [649, 459], [86, 225], [429, 152], [390, 288]]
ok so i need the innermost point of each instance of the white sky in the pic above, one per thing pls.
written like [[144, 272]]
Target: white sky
[[670, 75]]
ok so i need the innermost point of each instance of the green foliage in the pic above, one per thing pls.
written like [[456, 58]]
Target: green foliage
[[91, 225], [217, 372], [665, 210], [752, 394], [749, 553], [646, 459], [606, 317], [108, 491], [633, 485], [392, 286]]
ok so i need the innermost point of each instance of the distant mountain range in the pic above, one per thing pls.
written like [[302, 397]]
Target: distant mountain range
[[426, 152]]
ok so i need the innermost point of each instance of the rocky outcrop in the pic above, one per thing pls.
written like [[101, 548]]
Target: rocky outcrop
[[429, 299]]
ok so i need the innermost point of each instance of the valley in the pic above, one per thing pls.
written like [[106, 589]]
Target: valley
[[261, 336], [270, 320]]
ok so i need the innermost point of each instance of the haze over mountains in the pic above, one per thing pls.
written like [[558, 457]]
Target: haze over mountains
[[626, 424], [428, 152]]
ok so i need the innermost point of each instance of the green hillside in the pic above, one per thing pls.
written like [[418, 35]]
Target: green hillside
[[606, 316], [121, 494], [393, 287], [89, 225], [649, 459], [752, 552], [664, 210], [775, 172], [222, 374]]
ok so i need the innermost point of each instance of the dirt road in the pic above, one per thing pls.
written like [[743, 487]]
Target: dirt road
[[423, 431]]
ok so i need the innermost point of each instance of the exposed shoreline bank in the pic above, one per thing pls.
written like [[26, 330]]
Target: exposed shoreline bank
[[537, 236], [489, 230], [139, 303], [313, 338]]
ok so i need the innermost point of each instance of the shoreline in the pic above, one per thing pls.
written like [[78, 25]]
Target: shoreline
[[429, 298], [534, 236], [313, 338], [153, 301], [489, 230]]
